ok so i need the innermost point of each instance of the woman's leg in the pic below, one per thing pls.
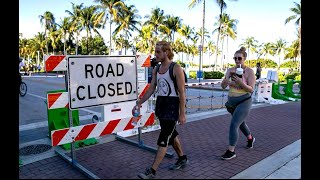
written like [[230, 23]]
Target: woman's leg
[[237, 121]]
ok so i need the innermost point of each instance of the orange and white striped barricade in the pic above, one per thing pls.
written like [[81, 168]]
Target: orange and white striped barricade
[[72, 134], [55, 63]]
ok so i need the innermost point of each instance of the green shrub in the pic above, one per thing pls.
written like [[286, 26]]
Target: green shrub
[[281, 77], [213, 75], [292, 75], [192, 74]]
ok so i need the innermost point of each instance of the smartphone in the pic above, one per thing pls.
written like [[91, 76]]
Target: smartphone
[[232, 74]]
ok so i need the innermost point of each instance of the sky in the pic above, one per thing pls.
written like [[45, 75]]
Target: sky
[[261, 19]]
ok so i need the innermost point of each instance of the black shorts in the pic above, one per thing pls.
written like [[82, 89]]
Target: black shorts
[[168, 132]]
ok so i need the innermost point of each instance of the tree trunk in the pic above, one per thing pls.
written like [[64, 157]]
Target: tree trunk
[[215, 64], [110, 37], [45, 33], [64, 44], [202, 35], [222, 55]]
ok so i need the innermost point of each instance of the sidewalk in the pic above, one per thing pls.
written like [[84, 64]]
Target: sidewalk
[[276, 152]]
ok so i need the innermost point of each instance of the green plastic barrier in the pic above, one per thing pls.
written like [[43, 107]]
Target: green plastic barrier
[[277, 95], [288, 90], [59, 119]]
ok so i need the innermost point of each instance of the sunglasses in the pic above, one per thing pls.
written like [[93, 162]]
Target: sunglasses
[[239, 58]]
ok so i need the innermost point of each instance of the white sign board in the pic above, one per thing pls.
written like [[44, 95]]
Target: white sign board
[[99, 80], [142, 72], [122, 110]]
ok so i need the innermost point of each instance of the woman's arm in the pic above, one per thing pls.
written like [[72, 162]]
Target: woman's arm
[[251, 81], [225, 81]]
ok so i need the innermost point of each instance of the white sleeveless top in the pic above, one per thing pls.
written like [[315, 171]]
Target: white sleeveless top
[[165, 86]]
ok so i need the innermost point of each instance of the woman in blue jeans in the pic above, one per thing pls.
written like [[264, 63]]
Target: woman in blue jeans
[[240, 88]]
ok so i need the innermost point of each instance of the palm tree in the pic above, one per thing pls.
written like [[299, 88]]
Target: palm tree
[[48, 20], [156, 21], [54, 36], [39, 42], [228, 28], [91, 20], [222, 6], [250, 43], [75, 18], [173, 23], [192, 5], [296, 16], [292, 51], [112, 6], [127, 22], [280, 46], [212, 49], [65, 26], [187, 32], [146, 40], [267, 48]]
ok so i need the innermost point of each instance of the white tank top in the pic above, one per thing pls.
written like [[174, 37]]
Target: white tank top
[[165, 86]]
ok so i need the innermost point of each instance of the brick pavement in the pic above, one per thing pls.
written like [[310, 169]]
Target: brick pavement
[[203, 141]]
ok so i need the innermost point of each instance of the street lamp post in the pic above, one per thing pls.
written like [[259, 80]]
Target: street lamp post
[[200, 65]]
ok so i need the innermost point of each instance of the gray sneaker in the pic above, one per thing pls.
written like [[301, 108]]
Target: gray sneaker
[[147, 174], [181, 163]]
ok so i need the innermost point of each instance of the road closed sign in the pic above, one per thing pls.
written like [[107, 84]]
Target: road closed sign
[[100, 80]]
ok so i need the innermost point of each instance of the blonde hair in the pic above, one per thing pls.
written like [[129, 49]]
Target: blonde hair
[[166, 46], [242, 51]]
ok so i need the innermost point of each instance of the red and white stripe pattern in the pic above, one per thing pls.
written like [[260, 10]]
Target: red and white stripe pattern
[[68, 135], [55, 63], [57, 100], [203, 84], [143, 60], [142, 88]]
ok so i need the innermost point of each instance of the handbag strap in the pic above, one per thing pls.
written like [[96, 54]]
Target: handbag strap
[[243, 100]]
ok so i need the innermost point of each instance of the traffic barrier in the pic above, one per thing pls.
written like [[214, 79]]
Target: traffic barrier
[[57, 103], [262, 91], [277, 95], [58, 112], [58, 116], [55, 63], [73, 134], [288, 89]]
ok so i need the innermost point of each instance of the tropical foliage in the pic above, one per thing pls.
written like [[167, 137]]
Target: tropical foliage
[[79, 33]]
